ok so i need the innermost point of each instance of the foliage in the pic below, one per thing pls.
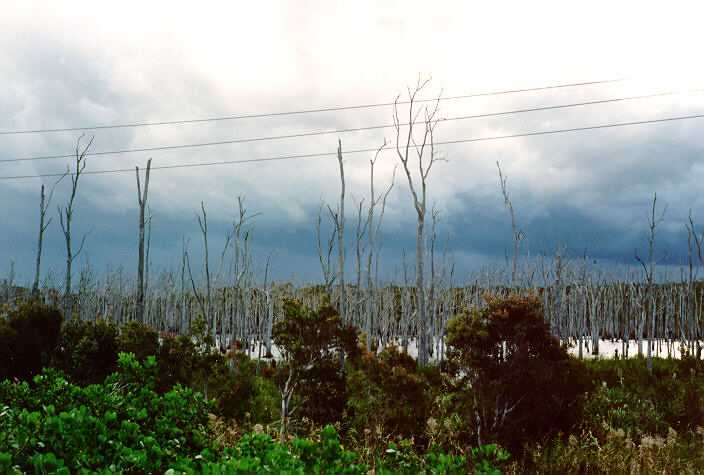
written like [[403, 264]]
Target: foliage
[[88, 350], [266, 404], [178, 362], [235, 386], [451, 422], [377, 380], [523, 383], [634, 421], [313, 344], [29, 337], [672, 395], [122, 425], [138, 338], [617, 408], [618, 453], [488, 459]]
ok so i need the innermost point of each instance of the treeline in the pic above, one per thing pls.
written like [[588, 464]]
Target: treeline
[[237, 300], [506, 382], [580, 312]]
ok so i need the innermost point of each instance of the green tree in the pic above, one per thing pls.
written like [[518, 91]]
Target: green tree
[[29, 337], [523, 383], [312, 345], [88, 350]]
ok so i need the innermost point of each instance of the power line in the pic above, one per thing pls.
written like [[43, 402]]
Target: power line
[[305, 111], [355, 129], [323, 154]]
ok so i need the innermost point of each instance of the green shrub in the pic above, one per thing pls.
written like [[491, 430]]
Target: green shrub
[[388, 393], [138, 338], [266, 403], [672, 395], [29, 337], [88, 350], [178, 361], [313, 344], [122, 425], [523, 384], [234, 387]]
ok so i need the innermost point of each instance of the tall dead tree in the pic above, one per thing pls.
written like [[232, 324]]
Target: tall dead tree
[[649, 273], [142, 201], [205, 302], [325, 254], [411, 145], [242, 260], [359, 249], [65, 216], [340, 228], [373, 229], [146, 254], [693, 241], [43, 207], [517, 234]]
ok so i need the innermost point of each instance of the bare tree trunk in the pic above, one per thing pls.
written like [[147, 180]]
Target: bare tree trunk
[[648, 271], [208, 305], [420, 147], [146, 259], [324, 255], [142, 201], [42, 227], [340, 226], [65, 216], [360, 232], [183, 323], [373, 229], [516, 233]]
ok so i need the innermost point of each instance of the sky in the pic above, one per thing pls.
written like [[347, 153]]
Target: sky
[[81, 65]]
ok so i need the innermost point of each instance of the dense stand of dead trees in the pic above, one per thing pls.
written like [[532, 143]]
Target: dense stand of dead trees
[[583, 303]]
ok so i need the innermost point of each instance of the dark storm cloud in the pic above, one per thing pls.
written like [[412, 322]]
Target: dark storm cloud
[[583, 188]]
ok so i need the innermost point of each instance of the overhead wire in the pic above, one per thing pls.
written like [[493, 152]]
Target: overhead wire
[[354, 129], [306, 111], [322, 154]]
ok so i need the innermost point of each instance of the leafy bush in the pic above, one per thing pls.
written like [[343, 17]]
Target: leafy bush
[[313, 341], [138, 338], [523, 384], [88, 350], [615, 408], [178, 362], [29, 338], [388, 393], [122, 425], [234, 387], [673, 393], [488, 459], [618, 453]]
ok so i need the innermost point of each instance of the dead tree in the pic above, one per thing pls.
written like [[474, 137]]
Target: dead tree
[[183, 325], [649, 273], [328, 267], [373, 230], [142, 201], [65, 216], [203, 302], [242, 259], [43, 207], [265, 335], [693, 241], [517, 234], [340, 228], [359, 249], [146, 254], [408, 144]]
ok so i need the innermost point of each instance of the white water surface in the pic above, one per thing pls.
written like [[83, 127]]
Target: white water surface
[[607, 349]]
